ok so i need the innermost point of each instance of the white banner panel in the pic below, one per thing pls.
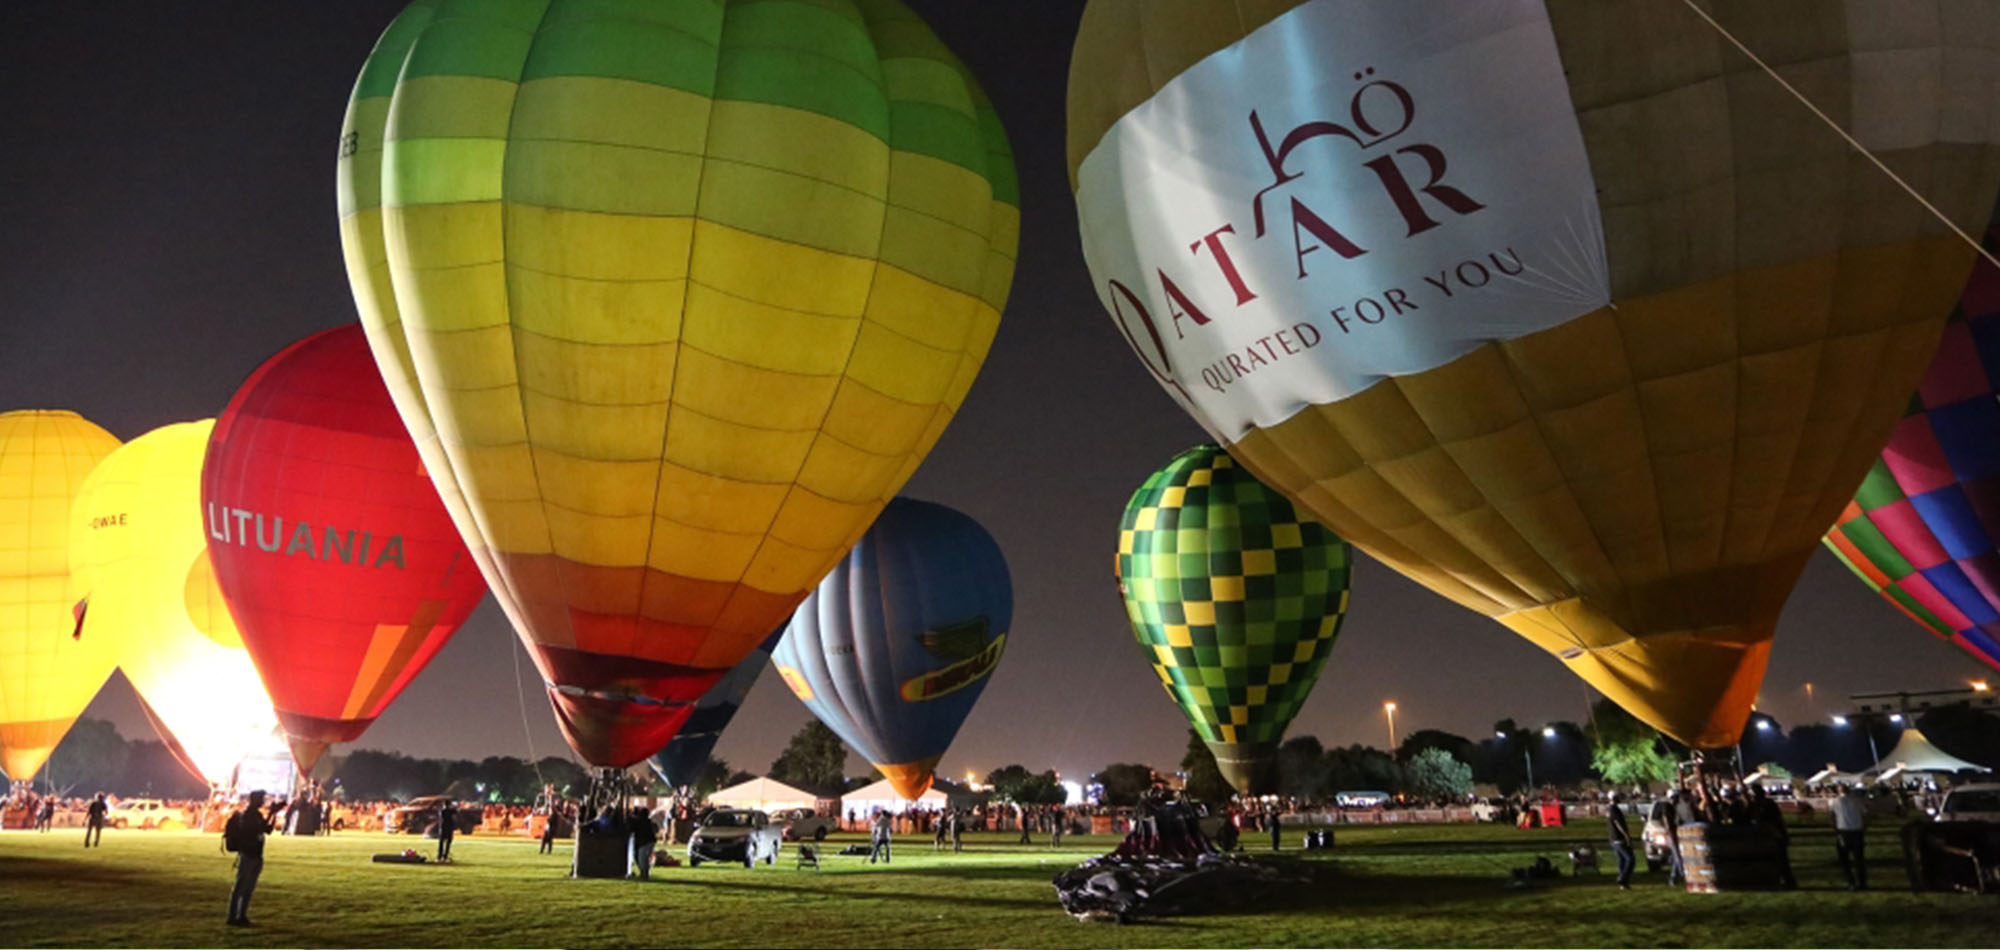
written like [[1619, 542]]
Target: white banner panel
[[1360, 189]]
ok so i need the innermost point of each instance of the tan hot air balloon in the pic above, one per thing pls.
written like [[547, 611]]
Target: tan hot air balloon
[[1566, 309], [47, 675]]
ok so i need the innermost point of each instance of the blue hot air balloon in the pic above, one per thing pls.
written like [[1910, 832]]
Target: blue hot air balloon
[[679, 764], [894, 646]]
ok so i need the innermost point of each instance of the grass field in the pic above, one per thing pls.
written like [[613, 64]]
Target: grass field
[[1388, 886]]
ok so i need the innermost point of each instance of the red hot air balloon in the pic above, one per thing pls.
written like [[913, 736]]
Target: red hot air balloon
[[337, 558]]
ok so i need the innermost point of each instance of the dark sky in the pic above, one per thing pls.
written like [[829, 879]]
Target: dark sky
[[167, 222]]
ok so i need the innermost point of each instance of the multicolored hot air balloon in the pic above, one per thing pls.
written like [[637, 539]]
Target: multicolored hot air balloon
[[1237, 600], [685, 291], [340, 564], [47, 675], [679, 764], [1922, 530], [1593, 336], [896, 644], [140, 570]]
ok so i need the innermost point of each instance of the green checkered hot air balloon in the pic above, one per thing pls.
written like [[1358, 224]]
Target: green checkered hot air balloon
[[1236, 598]]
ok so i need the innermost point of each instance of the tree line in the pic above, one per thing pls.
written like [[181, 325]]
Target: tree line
[[1431, 763]]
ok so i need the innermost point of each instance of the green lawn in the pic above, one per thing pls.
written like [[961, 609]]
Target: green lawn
[[1423, 886]]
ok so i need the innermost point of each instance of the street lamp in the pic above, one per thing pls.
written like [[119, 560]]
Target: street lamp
[[1389, 710], [1873, 753], [1980, 686]]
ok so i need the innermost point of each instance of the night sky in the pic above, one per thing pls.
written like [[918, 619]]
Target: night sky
[[167, 222]]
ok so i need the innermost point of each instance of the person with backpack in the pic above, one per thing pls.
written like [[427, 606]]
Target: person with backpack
[[244, 834]]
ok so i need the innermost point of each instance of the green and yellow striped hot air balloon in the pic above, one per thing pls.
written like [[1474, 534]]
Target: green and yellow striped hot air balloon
[[1236, 598], [674, 296]]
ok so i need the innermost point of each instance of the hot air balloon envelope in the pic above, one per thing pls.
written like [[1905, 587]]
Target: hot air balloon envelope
[[1922, 530], [679, 764], [139, 558], [896, 644], [47, 675], [340, 564], [1237, 600], [686, 292], [1592, 336]]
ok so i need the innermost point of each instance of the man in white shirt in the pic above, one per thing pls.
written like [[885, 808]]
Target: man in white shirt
[[1850, 839]]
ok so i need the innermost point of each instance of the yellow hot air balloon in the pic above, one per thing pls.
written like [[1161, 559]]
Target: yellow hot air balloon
[[47, 676], [1566, 309], [674, 298], [139, 563]]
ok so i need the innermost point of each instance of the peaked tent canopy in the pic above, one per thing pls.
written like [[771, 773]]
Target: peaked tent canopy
[[765, 794], [1915, 753]]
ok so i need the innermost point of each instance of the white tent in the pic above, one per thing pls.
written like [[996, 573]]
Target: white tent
[[763, 794], [1914, 753], [865, 800], [1834, 776]]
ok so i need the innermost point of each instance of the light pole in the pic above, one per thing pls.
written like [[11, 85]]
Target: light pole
[[1873, 753], [1389, 710]]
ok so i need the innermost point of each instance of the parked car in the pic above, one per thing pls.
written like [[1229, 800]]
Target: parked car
[[799, 824], [1971, 803], [1659, 847], [419, 817], [733, 834], [146, 813]]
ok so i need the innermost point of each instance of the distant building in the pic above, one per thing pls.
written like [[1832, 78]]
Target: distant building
[[1916, 703]]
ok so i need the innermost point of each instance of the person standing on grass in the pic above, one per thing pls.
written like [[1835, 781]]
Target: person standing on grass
[[1025, 816], [1850, 837], [46, 817], [244, 834], [645, 834], [1670, 811], [957, 819], [1056, 831], [447, 827], [549, 831], [93, 828], [879, 840], [1621, 841], [1277, 829], [1765, 812]]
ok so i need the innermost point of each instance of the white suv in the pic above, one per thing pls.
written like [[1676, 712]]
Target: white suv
[[803, 823], [1971, 803], [146, 813]]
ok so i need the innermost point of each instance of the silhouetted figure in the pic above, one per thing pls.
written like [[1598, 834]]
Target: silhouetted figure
[[93, 828], [1850, 837], [1765, 812], [46, 817], [1621, 841], [447, 828], [644, 834], [244, 834]]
